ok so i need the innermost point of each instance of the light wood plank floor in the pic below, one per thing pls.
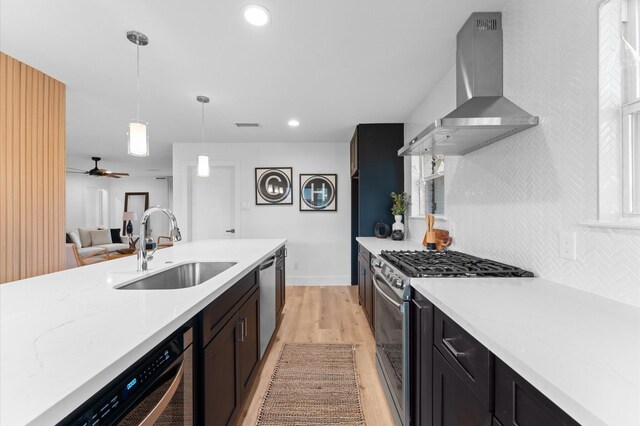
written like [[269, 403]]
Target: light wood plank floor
[[326, 315]]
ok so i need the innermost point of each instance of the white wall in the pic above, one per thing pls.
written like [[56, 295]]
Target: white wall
[[508, 201], [77, 209], [158, 196], [77, 202], [318, 247]]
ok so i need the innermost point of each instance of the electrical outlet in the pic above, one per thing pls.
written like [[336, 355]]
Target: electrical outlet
[[567, 245]]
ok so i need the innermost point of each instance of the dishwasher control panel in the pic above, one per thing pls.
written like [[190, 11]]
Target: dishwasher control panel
[[122, 394]]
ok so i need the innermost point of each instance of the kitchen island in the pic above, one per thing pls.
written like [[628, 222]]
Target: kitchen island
[[64, 336]]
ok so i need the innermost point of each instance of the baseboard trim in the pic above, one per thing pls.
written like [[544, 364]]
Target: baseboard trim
[[293, 280]]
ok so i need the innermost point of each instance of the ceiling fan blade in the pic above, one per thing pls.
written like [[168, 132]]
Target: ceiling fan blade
[[117, 173], [74, 171], [113, 176], [74, 168]]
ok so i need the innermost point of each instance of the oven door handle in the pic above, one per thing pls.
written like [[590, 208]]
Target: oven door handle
[[383, 294], [161, 406]]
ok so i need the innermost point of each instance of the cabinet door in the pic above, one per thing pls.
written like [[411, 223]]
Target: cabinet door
[[361, 279], [354, 153], [421, 361], [249, 353], [220, 370], [453, 402], [519, 403], [369, 295], [279, 289]]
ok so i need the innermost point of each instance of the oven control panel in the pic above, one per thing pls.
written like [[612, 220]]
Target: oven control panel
[[119, 396]]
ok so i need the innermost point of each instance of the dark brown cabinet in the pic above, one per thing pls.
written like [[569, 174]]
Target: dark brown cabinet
[[354, 154], [231, 351], [519, 403], [365, 285], [222, 394], [454, 404], [421, 360], [249, 352], [281, 289], [455, 380]]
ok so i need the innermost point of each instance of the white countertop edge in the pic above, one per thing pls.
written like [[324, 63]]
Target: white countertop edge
[[74, 399]]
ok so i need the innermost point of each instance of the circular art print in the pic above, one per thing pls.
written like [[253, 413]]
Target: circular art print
[[319, 192], [273, 186]]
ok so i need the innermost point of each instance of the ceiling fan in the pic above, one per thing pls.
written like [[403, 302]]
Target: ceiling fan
[[96, 171]]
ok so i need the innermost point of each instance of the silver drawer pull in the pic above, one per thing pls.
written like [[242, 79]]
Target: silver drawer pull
[[450, 348]]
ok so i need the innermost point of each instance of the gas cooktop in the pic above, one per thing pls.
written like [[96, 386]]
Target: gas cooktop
[[432, 264]]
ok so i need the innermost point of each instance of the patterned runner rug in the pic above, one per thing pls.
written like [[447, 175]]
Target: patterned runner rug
[[313, 384]]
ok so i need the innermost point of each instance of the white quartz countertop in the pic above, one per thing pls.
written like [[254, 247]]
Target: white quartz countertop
[[580, 350], [66, 335]]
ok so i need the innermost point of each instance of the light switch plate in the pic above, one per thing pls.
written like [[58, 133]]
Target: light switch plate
[[567, 245]]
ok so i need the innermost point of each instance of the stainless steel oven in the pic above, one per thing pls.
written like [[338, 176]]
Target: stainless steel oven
[[392, 338], [157, 390]]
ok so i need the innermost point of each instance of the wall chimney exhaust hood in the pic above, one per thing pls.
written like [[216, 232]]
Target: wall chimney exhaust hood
[[483, 115]]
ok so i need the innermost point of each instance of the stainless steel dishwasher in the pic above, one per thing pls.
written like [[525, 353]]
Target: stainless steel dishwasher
[[267, 302]]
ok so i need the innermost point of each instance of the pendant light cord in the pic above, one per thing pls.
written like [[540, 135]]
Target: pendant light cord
[[138, 79], [202, 123]]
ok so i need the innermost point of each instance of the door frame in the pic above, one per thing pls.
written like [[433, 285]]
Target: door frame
[[185, 189]]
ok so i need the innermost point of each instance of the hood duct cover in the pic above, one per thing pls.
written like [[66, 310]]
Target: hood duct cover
[[483, 115]]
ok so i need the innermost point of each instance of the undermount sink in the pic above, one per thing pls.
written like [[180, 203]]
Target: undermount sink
[[181, 276]]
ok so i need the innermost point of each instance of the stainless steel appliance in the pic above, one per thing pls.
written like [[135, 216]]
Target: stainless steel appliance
[[392, 273], [157, 390], [267, 302], [483, 115]]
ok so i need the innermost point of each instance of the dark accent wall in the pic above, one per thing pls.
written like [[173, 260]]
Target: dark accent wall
[[380, 171]]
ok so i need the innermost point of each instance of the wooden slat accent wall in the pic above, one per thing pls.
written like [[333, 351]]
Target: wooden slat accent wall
[[32, 171]]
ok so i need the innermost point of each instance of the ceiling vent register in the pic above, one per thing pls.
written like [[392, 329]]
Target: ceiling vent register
[[247, 125]]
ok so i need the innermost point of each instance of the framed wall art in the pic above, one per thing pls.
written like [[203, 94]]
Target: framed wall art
[[274, 186], [319, 192]]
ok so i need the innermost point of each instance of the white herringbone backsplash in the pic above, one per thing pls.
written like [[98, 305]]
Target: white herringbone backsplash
[[509, 201]]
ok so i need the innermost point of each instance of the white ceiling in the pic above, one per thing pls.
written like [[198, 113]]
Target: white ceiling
[[331, 64]]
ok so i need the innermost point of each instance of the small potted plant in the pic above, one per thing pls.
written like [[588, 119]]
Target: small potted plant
[[398, 208]]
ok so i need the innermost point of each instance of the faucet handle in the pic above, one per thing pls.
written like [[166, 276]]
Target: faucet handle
[[175, 233]]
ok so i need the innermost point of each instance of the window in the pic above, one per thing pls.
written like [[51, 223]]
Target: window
[[427, 189], [619, 122], [630, 29]]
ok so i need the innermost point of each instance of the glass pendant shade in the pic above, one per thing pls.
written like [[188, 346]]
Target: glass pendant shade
[[138, 139], [203, 166]]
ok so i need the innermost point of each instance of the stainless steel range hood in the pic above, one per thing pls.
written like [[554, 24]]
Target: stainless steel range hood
[[483, 115]]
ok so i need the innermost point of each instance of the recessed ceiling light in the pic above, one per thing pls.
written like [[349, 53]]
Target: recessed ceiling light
[[293, 123], [257, 15]]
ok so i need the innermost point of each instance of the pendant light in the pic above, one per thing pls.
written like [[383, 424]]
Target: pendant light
[[138, 134], [203, 159]]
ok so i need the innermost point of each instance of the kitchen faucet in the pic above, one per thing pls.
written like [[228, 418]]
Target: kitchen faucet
[[143, 257]]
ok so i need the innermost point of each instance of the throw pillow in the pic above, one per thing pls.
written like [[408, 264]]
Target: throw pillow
[[100, 237], [85, 236], [115, 236], [75, 239]]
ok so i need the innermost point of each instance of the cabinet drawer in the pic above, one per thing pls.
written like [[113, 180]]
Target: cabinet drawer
[[519, 403], [364, 253], [468, 357], [223, 307]]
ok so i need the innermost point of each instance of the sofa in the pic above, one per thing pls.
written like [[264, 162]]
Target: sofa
[[90, 241]]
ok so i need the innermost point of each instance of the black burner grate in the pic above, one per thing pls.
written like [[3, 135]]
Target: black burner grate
[[449, 264]]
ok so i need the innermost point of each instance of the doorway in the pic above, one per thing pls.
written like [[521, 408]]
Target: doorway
[[212, 203]]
